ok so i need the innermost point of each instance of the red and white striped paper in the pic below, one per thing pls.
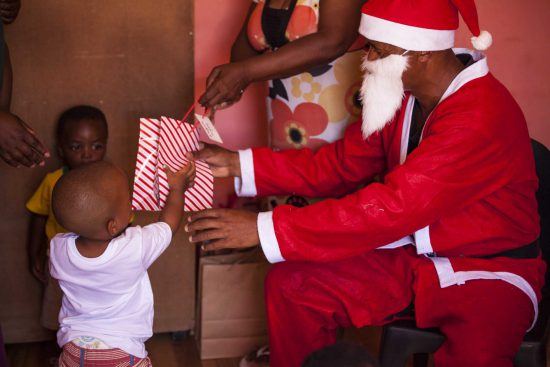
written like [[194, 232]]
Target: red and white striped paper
[[165, 142]]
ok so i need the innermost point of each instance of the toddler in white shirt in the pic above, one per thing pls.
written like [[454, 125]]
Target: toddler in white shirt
[[107, 309]]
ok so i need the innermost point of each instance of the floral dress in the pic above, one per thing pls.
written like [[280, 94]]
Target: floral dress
[[315, 107]]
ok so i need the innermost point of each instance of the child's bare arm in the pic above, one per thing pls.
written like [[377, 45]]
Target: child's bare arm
[[37, 247], [178, 182]]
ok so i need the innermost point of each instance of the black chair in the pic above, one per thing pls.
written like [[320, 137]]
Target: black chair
[[402, 339]]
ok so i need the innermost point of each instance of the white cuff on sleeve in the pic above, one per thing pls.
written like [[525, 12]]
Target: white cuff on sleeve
[[268, 240], [245, 186]]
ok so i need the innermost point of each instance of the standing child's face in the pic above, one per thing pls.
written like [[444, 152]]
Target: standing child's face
[[83, 142]]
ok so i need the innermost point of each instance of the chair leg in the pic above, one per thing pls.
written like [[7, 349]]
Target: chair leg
[[401, 340], [531, 356], [394, 351], [421, 360]]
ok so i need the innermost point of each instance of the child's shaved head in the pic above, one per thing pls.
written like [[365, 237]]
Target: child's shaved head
[[86, 199]]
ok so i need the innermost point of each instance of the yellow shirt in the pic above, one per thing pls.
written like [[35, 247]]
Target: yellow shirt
[[41, 202]]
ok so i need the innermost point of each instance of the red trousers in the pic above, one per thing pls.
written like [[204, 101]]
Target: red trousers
[[484, 320]]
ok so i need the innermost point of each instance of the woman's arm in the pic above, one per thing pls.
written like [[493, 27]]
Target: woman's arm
[[337, 30], [7, 82], [19, 145], [242, 49]]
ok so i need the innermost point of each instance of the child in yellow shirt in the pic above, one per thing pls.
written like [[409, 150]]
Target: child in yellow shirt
[[81, 136]]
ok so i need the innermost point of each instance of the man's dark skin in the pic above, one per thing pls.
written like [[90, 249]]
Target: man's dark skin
[[19, 145], [427, 78], [333, 38]]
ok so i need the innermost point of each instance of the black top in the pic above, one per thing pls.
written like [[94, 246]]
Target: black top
[[274, 23], [415, 131]]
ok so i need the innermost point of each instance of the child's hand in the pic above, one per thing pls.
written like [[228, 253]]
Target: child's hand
[[178, 182], [182, 180]]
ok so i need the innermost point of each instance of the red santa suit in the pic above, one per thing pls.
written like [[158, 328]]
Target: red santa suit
[[419, 236], [448, 228]]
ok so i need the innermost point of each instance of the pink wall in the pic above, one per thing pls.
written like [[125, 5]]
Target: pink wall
[[518, 58], [520, 55], [217, 23]]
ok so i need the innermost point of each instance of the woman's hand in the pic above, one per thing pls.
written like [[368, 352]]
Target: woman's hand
[[223, 228], [225, 85], [19, 145], [223, 162], [9, 10]]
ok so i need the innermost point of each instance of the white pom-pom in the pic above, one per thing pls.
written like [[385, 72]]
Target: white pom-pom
[[483, 41]]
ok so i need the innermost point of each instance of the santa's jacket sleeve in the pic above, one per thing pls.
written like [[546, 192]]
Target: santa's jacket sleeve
[[457, 164], [334, 170]]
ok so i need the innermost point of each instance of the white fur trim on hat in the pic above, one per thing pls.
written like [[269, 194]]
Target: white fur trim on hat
[[405, 36], [483, 41]]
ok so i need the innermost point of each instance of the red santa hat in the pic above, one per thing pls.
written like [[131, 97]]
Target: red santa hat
[[421, 25]]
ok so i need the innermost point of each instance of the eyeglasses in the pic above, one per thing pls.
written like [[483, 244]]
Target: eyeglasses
[[380, 53]]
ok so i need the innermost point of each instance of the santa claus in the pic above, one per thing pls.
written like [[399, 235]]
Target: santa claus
[[448, 230]]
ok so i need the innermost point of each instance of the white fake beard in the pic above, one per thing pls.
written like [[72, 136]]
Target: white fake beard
[[382, 91]]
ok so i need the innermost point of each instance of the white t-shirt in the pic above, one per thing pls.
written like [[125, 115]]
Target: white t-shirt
[[109, 297]]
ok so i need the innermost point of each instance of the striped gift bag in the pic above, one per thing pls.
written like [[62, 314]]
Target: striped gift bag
[[162, 143]]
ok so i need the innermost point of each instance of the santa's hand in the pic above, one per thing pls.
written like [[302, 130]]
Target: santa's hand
[[223, 162], [223, 228]]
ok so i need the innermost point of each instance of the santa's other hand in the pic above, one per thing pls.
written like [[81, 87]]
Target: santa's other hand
[[216, 229]]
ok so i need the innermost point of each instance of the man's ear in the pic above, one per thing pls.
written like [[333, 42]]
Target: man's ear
[[112, 227], [424, 56]]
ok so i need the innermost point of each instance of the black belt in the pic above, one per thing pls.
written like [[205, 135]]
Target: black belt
[[530, 251]]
